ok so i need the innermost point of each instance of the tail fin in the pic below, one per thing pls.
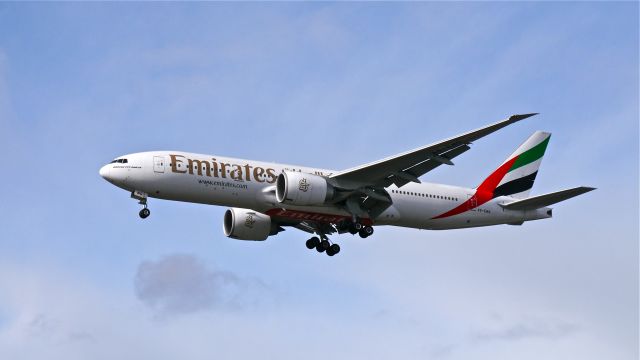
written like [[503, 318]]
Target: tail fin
[[516, 175]]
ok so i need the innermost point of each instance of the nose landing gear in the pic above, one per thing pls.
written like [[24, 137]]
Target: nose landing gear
[[142, 200], [144, 213]]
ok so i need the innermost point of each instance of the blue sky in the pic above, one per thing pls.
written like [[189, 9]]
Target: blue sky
[[331, 85]]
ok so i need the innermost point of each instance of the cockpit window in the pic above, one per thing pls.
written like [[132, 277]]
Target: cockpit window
[[120, 161]]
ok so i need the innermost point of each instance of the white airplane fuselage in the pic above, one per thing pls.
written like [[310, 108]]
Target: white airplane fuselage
[[223, 181]]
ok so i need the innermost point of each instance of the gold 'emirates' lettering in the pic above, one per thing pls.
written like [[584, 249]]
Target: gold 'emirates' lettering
[[236, 174], [213, 168], [257, 174], [175, 162], [198, 166]]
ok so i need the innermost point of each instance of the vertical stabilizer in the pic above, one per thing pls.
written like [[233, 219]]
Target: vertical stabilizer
[[516, 175]]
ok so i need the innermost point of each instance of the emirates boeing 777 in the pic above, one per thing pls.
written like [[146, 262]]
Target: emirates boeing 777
[[264, 198]]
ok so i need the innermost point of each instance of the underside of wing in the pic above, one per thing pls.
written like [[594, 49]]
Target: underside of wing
[[313, 227]]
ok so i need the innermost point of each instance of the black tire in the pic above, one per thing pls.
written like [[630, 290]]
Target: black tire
[[322, 246], [335, 248], [329, 252], [368, 230], [144, 213], [362, 233], [357, 226], [312, 243]]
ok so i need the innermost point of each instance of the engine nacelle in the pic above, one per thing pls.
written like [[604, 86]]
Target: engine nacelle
[[297, 188], [245, 224]]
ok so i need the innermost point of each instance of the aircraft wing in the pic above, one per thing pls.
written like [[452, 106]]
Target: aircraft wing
[[409, 166]]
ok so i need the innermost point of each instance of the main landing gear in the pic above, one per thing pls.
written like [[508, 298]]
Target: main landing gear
[[366, 231], [362, 230], [323, 245]]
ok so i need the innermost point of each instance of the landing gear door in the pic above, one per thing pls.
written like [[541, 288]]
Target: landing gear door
[[158, 164]]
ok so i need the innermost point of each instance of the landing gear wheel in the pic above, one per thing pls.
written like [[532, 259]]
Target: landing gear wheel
[[144, 213], [312, 243], [366, 232], [323, 245], [354, 228], [333, 249]]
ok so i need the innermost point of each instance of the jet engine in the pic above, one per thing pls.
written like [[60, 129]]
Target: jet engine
[[245, 224], [297, 188]]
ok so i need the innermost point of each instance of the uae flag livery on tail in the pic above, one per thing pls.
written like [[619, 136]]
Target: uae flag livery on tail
[[513, 178], [522, 167]]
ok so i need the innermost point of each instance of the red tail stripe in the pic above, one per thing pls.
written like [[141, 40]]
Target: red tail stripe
[[484, 192], [491, 183]]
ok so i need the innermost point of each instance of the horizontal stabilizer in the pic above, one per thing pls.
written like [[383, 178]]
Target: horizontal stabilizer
[[540, 201]]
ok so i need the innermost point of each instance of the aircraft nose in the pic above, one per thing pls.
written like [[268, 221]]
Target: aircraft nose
[[104, 172]]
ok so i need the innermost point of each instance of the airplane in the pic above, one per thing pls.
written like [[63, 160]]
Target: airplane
[[264, 198]]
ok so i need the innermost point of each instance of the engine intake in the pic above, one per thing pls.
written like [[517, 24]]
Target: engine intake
[[245, 224], [297, 188]]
